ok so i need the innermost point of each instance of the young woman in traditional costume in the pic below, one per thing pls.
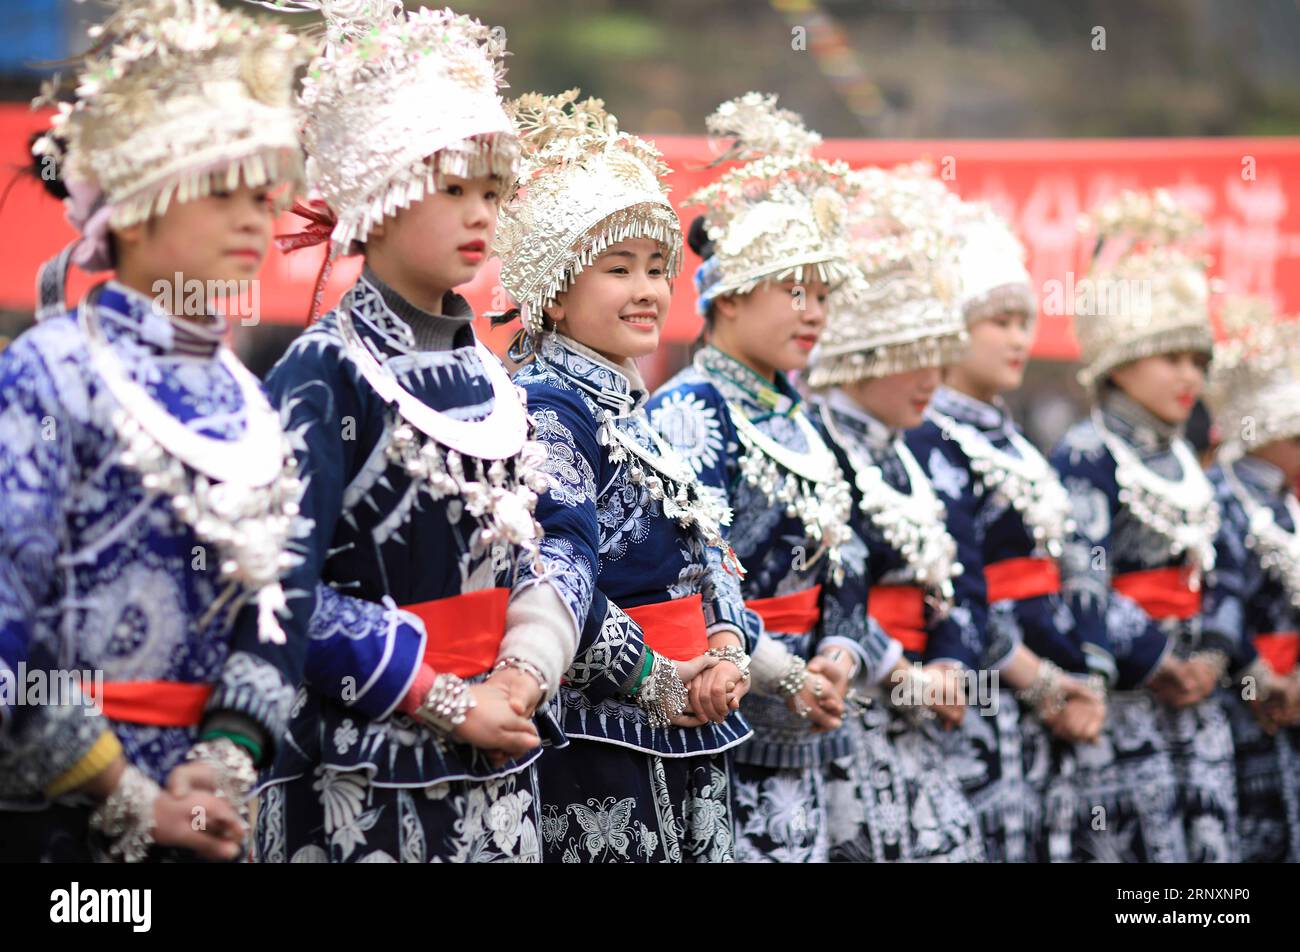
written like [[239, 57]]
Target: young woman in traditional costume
[[1253, 597], [413, 739], [589, 248], [1008, 513], [149, 493], [1158, 786]]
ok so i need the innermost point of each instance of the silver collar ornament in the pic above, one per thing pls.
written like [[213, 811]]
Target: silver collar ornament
[[239, 495], [912, 523], [1183, 511], [809, 485], [1026, 482], [671, 481], [1277, 549], [492, 464]]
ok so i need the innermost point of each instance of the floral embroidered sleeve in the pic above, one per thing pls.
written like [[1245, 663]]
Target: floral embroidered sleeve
[[38, 742], [358, 652], [1119, 639], [1230, 587], [610, 647], [967, 622]]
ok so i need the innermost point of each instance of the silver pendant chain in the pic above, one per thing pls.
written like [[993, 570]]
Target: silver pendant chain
[[911, 523], [1027, 483], [241, 495], [1277, 549], [1182, 512], [493, 464]]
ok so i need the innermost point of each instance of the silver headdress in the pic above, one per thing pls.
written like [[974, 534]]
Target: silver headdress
[[177, 97], [991, 266], [779, 216], [900, 311], [1255, 385], [1147, 292], [396, 100], [584, 186]]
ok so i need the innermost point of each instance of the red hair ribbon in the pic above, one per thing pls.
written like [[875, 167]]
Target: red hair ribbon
[[320, 225]]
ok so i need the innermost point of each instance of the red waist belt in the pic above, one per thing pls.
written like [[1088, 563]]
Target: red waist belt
[[675, 628], [1018, 579], [1162, 593], [158, 703], [791, 614], [900, 610], [463, 632], [1279, 649]]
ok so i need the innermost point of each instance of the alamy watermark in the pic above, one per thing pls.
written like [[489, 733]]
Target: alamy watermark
[[191, 297]]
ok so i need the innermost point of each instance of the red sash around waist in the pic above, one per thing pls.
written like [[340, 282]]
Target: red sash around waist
[[1019, 579], [675, 628], [463, 632], [158, 703], [791, 614], [1162, 593], [900, 610], [1279, 649]]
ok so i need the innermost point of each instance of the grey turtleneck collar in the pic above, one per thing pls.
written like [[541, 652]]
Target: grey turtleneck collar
[[443, 331]]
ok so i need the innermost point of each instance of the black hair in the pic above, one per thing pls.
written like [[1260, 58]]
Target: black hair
[[48, 169], [697, 236]]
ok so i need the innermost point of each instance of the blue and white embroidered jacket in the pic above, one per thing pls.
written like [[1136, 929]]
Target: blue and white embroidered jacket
[[98, 574], [694, 411], [379, 541], [610, 547], [988, 530], [953, 636], [1119, 639], [1243, 600]]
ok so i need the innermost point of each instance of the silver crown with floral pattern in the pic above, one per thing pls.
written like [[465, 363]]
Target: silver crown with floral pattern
[[176, 98], [991, 266], [779, 216], [395, 101], [1147, 292], [584, 186], [901, 309], [1255, 384]]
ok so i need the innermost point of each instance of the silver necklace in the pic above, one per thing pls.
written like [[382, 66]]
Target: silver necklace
[[1026, 482], [911, 523], [1182, 512], [671, 481], [1278, 550], [809, 485], [240, 495], [492, 464]]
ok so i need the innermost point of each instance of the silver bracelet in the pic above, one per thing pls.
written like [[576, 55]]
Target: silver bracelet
[[233, 764], [126, 816], [736, 655], [1045, 694], [792, 682], [662, 695], [447, 704], [525, 666]]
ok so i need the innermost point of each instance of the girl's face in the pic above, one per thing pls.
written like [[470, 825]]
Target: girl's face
[[219, 237], [617, 304], [996, 358], [440, 242], [898, 400], [1166, 385], [774, 327]]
